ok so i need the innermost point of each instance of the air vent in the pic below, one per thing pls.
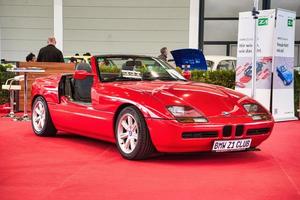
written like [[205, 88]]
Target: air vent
[[227, 131], [202, 134], [258, 131], [239, 129]]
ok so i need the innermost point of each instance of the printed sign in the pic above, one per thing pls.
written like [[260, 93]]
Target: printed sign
[[283, 66], [264, 52], [263, 21]]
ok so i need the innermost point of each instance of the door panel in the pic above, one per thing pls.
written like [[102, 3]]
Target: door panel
[[83, 119]]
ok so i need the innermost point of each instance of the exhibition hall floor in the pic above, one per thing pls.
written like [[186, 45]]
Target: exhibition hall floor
[[73, 167]]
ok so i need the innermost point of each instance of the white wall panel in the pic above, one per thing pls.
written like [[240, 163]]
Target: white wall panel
[[227, 8], [25, 22], [125, 35], [287, 4], [128, 3], [27, 2], [106, 47], [25, 27], [125, 26], [220, 30], [214, 49], [26, 11]]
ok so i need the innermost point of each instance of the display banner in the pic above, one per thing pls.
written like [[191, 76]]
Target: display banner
[[283, 66], [265, 33]]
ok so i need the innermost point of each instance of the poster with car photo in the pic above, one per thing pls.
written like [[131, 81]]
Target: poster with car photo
[[263, 73], [264, 53], [283, 73]]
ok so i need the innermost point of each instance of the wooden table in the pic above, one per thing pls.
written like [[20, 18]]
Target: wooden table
[[25, 71], [50, 68]]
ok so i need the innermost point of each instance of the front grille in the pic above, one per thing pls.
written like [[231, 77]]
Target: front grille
[[202, 134], [258, 131], [239, 129], [227, 131]]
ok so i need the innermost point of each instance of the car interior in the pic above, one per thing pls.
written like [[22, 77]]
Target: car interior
[[77, 90], [131, 65]]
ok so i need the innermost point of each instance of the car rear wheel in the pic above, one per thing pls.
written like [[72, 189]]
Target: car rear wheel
[[41, 122], [132, 135]]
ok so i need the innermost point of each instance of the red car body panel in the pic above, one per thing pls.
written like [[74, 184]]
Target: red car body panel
[[97, 119], [166, 135]]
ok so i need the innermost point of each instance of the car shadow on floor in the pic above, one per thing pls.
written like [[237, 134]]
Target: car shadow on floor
[[169, 158], [72, 137]]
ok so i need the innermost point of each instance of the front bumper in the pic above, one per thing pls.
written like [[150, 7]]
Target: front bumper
[[172, 136]]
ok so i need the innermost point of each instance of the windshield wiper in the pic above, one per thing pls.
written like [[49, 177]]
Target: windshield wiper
[[162, 78], [122, 79], [127, 79]]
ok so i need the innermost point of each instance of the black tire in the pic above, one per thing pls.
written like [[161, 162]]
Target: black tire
[[48, 129], [144, 147]]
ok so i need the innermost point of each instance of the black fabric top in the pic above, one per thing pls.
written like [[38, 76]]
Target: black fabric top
[[50, 53]]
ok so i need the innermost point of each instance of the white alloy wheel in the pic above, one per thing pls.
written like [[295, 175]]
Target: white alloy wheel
[[127, 133], [38, 116]]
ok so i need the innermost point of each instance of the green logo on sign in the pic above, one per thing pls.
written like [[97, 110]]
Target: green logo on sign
[[290, 23], [263, 22]]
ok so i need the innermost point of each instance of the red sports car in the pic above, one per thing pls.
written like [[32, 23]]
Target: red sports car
[[143, 105]]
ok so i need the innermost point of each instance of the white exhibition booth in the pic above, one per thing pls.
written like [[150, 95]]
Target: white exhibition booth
[[274, 85]]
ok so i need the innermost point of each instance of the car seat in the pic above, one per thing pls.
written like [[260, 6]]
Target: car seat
[[130, 65], [82, 88]]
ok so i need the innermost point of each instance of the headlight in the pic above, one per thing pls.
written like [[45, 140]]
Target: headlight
[[186, 114], [256, 111]]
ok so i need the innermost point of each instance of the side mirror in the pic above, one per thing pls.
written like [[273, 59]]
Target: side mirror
[[81, 74]]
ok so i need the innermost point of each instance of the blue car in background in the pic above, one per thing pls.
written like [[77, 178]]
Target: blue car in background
[[285, 75], [189, 59]]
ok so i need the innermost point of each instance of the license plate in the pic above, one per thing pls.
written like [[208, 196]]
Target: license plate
[[231, 145]]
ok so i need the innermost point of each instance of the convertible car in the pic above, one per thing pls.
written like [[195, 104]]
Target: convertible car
[[143, 105]]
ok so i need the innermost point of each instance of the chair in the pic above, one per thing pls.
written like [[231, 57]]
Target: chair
[[82, 88], [12, 88], [130, 65]]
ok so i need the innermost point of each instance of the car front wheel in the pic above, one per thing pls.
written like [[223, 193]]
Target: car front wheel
[[41, 122], [132, 135]]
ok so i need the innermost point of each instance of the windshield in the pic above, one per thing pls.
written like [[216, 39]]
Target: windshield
[[136, 69]]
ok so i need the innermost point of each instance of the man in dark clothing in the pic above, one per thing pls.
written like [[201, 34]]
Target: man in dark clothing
[[163, 54], [30, 58], [50, 53]]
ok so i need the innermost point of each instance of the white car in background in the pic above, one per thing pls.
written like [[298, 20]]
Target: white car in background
[[220, 62]]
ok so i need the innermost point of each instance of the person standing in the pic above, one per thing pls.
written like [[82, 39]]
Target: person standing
[[30, 58], [50, 53], [163, 54]]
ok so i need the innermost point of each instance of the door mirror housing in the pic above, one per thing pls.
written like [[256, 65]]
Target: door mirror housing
[[81, 74]]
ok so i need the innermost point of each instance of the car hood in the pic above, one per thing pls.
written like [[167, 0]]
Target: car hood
[[209, 100]]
